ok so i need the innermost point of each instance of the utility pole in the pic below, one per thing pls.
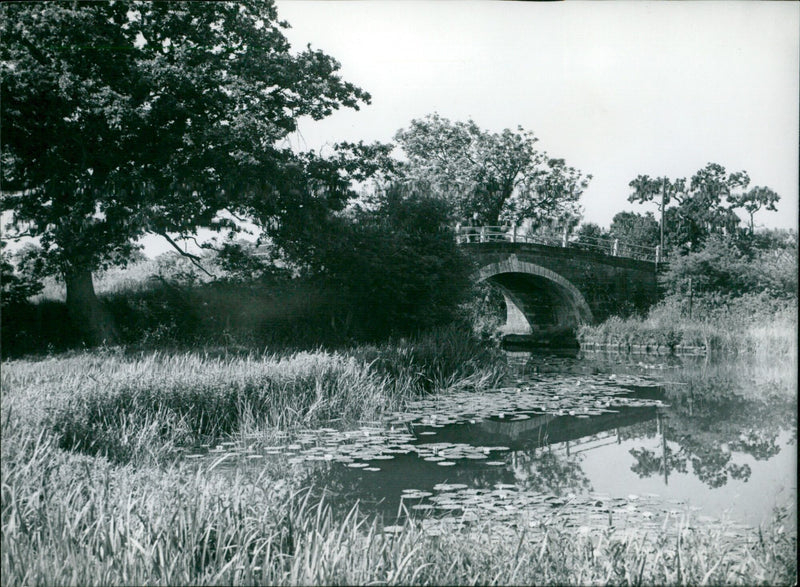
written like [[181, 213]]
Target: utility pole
[[663, 197]]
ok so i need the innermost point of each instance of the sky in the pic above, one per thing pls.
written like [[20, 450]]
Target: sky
[[616, 88]]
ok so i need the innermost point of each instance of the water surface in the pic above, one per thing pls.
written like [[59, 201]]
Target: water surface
[[599, 441]]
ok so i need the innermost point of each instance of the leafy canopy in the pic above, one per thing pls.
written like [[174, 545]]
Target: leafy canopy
[[499, 176], [755, 199], [395, 261], [696, 209], [633, 228], [120, 119]]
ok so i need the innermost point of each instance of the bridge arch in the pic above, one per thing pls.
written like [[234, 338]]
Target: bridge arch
[[537, 298]]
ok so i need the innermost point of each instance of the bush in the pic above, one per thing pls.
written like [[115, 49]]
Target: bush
[[398, 264], [17, 284], [731, 266]]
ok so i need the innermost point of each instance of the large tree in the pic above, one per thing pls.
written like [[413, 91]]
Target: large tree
[[696, 209], [126, 118], [499, 176], [396, 261]]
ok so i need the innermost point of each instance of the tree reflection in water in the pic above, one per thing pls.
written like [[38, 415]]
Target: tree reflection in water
[[547, 471], [715, 414]]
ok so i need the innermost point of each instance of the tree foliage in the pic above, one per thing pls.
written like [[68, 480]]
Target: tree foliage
[[397, 261], [754, 200], [17, 284], [734, 267], [636, 229], [694, 209], [499, 176], [121, 119]]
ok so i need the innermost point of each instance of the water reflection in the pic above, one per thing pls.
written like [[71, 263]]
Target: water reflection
[[534, 448], [602, 435], [717, 434]]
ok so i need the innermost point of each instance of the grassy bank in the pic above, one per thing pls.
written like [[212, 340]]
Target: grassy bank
[[127, 405], [753, 325]]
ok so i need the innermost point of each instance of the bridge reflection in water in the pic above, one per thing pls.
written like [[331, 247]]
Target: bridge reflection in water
[[541, 452]]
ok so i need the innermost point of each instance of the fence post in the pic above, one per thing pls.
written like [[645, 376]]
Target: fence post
[[513, 233], [658, 253], [615, 251], [564, 239], [483, 234]]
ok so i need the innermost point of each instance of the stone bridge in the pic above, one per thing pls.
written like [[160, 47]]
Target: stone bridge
[[550, 289]]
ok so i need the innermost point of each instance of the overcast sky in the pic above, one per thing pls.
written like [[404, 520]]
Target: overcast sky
[[616, 88]]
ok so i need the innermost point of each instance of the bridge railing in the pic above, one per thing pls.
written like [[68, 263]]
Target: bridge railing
[[612, 247]]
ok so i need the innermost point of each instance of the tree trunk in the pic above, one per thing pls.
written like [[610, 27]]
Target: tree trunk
[[86, 311]]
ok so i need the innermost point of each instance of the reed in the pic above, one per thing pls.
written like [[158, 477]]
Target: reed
[[130, 405], [750, 325], [92, 496]]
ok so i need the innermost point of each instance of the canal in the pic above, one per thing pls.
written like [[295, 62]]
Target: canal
[[588, 440]]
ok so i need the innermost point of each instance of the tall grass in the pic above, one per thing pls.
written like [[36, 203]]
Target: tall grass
[[127, 405], [752, 325]]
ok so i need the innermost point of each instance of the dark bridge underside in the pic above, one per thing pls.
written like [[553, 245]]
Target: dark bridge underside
[[534, 304]]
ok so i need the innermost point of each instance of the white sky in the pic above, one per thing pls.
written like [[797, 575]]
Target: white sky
[[616, 88]]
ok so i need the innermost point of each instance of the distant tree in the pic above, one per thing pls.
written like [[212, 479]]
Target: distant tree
[[499, 176], [753, 200], [17, 286], [239, 262], [592, 230], [699, 208], [590, 236], [636, 229], [126, 118]]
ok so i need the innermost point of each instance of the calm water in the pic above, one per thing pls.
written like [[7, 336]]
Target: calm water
[[603, 441]]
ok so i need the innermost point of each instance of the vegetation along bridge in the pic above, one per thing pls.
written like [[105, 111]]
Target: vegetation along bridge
[[551, 285]]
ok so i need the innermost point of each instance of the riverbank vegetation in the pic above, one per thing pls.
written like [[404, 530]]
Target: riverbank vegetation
[[735, 294], [745, 325], [125, 405], [390, 270]]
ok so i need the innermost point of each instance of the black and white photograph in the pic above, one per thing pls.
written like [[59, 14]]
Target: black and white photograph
[[399, 292]]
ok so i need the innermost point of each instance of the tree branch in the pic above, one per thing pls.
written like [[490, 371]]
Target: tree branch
[[237, 217], [193, 258], [19, 235], [33, 50]]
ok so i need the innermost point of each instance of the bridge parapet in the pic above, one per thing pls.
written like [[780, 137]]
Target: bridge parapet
[[611, 247]]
